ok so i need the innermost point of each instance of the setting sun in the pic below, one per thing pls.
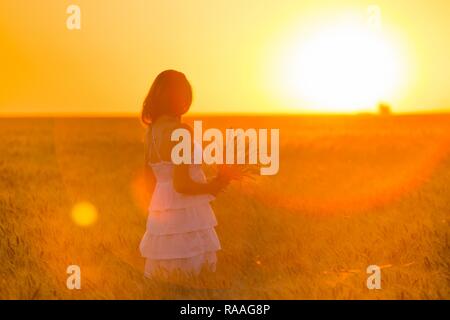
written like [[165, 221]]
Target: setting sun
[[341, 68]]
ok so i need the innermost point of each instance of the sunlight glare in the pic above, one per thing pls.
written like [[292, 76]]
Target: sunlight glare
[[342, 68]]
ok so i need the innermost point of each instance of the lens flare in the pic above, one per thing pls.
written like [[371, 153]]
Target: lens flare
[[84, 214]]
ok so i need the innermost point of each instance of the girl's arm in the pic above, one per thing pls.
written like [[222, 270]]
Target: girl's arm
[[182, 180], [183, 183]]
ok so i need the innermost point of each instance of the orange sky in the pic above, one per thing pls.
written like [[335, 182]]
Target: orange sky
[[229, 49]]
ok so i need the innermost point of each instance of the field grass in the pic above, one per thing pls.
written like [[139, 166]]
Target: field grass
[[352, 191]]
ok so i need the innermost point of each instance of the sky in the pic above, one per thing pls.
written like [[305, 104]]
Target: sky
[[245, 56]]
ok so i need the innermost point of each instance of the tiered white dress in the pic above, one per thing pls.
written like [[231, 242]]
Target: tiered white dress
[[180, 233]]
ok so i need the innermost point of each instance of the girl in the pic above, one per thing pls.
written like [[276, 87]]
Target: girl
[[180, 233]]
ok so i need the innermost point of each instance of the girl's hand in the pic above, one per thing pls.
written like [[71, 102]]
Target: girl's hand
[[233, 172], [218, 185]]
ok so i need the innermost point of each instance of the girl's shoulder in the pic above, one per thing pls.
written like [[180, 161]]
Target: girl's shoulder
[[161, 132]]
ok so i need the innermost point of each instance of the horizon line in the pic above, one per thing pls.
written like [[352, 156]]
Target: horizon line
[[210, 114]]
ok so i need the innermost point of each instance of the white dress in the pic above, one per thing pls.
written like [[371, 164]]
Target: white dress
[[180, 233]]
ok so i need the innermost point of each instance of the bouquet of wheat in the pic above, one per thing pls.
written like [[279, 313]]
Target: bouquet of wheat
[[246, 150]]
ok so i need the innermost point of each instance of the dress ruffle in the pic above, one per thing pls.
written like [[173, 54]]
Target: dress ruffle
[[180, 231], [183, 220], [165, 197], [179, 245]]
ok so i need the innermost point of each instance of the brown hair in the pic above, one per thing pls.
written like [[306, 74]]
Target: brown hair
[[170, 94]]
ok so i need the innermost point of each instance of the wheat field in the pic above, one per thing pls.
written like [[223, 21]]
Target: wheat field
[[352, 191]]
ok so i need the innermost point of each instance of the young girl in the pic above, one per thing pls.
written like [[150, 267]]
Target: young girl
[[180, 233]]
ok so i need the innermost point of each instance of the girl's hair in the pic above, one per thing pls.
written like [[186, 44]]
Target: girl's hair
[[170, 94]]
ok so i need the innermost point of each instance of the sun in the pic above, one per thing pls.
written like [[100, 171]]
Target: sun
[[342, 68]]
